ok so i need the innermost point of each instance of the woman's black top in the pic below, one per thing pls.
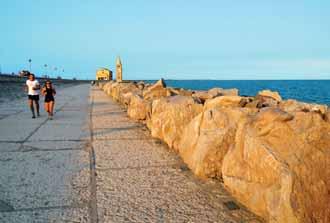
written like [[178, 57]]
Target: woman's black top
[[49, 95]]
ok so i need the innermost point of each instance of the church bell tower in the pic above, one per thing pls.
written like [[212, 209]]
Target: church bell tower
[[119, 70]]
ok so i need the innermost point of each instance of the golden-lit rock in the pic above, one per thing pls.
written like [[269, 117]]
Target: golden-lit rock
[[155, 91], [224, 101], [119, 89], [107, 87], [170, 115], [207, 138], [215, 92], [279, 166], [327, 115], [180, 91], [295, 106], [272, 94], [138, 108], [141, 85]]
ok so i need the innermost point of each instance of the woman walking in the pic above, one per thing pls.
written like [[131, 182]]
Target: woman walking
[[49, 92]]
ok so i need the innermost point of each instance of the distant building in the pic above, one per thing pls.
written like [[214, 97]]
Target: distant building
[[103, 74], [119, 70], [24, 73]]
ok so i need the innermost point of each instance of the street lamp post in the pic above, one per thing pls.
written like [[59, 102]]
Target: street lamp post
[[45, 70], [55, 72], [30, 61]]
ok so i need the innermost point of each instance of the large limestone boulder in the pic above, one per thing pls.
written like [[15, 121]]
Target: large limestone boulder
[[125, 98], [106, 87], [207, 138], [265, 98], [141, 85], [226, 101], [295, 106], [271, 94], [114, 91], [327, 115], [119, 89], [179, 91], [139, 109], [279, 167], [155, 91], [170, 115], [215, 92]]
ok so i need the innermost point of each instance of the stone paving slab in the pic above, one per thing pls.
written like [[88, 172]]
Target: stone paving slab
[[59, 132], [54, 145], [15, 130], [9, 147]]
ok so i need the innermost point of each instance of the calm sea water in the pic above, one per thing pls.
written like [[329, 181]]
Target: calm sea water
[[314, 91]]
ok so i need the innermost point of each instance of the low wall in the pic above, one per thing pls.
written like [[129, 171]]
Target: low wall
[[272, 155]]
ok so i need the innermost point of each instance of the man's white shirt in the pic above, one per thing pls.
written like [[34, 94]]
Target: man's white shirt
[[31, 85]]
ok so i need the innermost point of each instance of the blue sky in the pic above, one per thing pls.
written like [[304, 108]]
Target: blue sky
[[174, 39]]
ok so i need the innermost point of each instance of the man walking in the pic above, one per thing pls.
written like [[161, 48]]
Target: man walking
[[32, 87]]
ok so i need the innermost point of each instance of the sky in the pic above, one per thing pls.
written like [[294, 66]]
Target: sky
[[173, 39]]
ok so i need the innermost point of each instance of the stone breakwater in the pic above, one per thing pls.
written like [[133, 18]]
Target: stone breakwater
[[273, 155]]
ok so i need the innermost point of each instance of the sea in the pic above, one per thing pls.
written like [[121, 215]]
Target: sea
[[311, 91]]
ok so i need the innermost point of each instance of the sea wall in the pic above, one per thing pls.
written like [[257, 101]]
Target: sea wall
[[273, 155]]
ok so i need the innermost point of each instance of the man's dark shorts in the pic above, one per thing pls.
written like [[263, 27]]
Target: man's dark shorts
[[33, 97]]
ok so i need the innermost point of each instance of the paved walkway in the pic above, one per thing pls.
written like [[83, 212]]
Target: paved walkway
[[93, 164]]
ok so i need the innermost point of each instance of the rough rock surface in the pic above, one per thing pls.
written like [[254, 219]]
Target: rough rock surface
[[327, 115], [215, 92], [180, 91], [170, 115], [295, 106], [224, 101], [155, 91], [117, 89], [139, 108], [207, 138], [272, 94], [279, 167]]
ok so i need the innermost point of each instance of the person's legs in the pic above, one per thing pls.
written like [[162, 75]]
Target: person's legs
[[37, 105], [31, 107], [46, 107], [51, 107]]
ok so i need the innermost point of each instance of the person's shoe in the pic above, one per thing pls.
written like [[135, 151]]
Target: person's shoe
[[33, 116], [38, 114]]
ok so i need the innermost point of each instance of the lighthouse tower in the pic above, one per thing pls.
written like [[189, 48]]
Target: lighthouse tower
[[119, 70]]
